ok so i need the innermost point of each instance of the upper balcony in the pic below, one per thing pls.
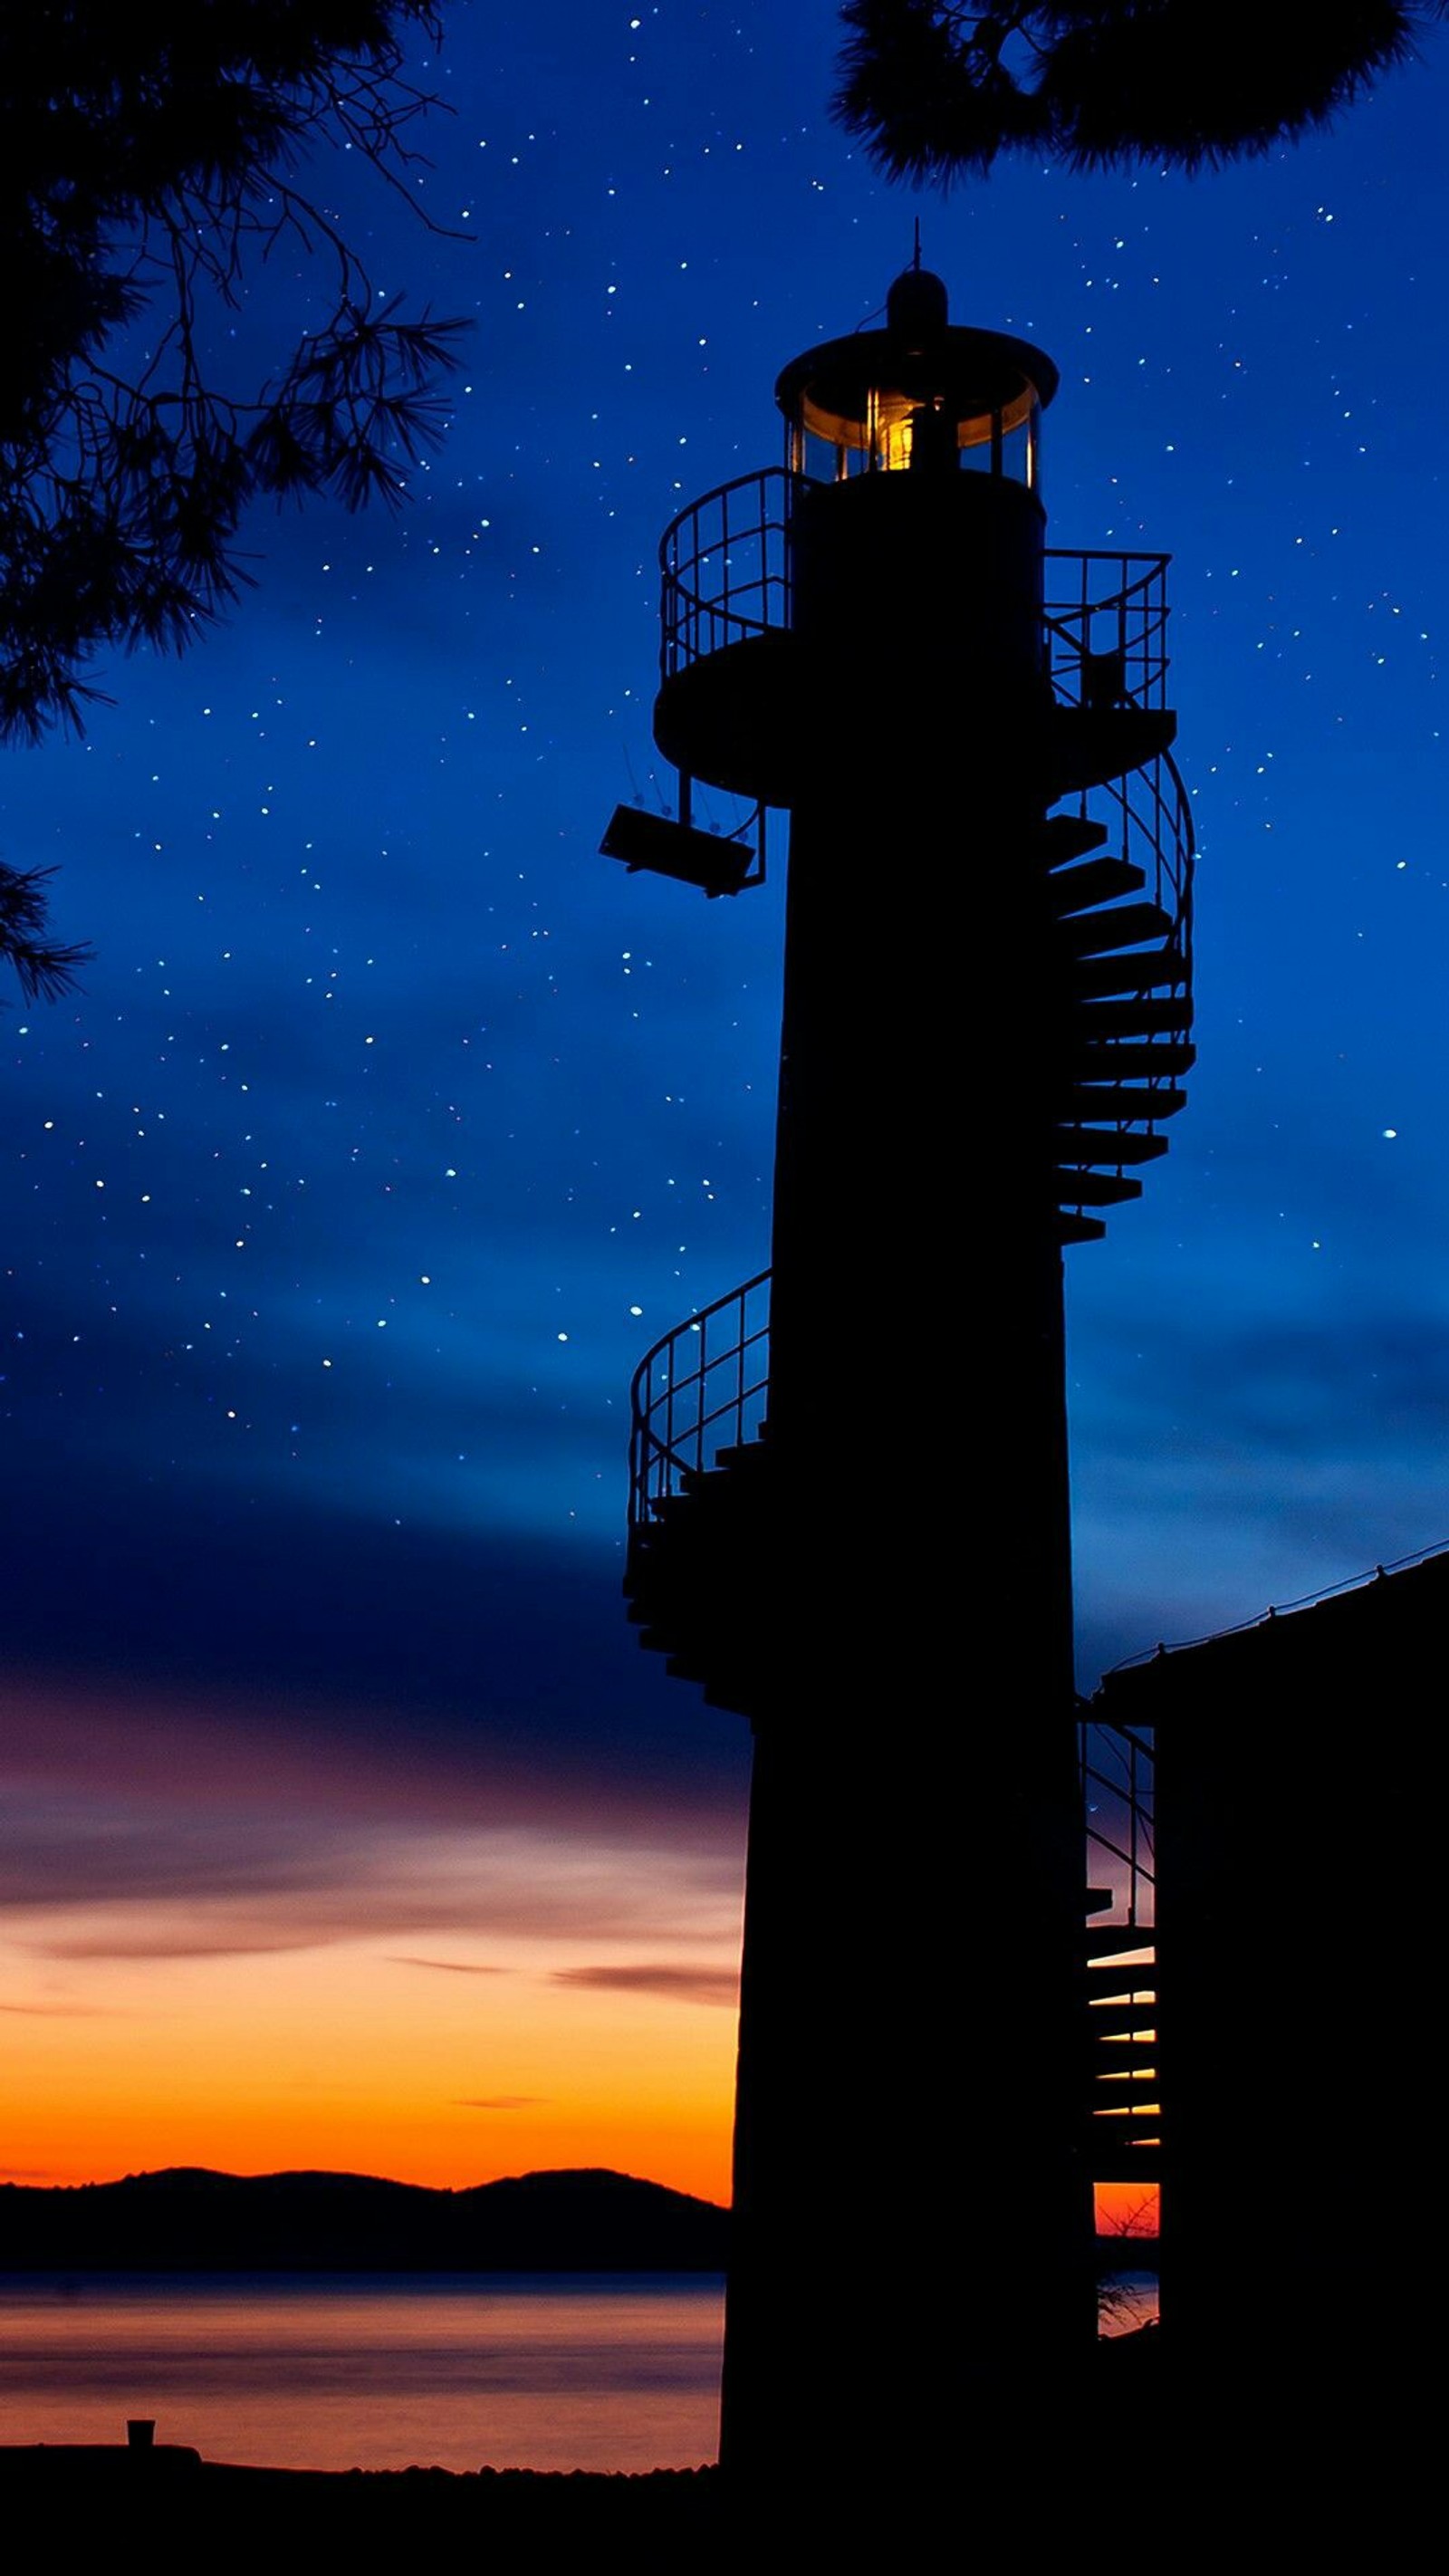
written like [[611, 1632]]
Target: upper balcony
[[732, 696]]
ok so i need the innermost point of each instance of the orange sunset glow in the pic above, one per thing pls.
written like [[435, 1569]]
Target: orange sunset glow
[[351, 2060], [1127, 2209], [226, 1947], [435, 1979]]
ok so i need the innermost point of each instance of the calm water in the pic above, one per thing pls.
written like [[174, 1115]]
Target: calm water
[[452, 2371], [302, 2372]]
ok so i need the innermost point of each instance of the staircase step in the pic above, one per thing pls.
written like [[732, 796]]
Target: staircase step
[[1080, 1229], [1137, 972], [1085, 746], [1124, 2164], [1077, 1189], [680, 1668], [1111, 1058], [1100, 881], [1114, 1100], [739, 1693], [707, 1490], [1120, 925], [1169, 1017], [1069, 836], [1112, 2023], [748, 1455], [1121, 1976], [1107, 1146], [1104, 1939], [659, 1641]]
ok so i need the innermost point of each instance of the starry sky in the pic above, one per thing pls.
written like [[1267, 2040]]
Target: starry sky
[[347, 1824]]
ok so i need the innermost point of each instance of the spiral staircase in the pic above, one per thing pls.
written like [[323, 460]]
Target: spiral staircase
[[703, 1534], [1123, 2138]]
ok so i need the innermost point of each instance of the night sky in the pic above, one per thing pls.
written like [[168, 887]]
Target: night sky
[[347, 1824]]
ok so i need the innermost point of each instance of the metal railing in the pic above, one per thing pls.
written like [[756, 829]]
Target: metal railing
[[1155, 820], [702, 1388], [1111, 619], [1117, 1767], [1282, 1609], [725, 566], [725, 576], [1106, 622]]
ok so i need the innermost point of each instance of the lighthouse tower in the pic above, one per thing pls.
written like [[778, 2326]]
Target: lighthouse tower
[[849, 1513]]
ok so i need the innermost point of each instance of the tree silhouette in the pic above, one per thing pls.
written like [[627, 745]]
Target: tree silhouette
[[938, 90], [148, 167]]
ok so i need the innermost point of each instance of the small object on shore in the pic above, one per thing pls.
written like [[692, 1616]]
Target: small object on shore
[[140, 2432]]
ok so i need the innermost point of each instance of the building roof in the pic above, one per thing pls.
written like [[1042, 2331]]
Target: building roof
[[1338, 1643]]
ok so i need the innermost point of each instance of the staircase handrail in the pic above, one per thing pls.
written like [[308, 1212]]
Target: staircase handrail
[[678, 1420], [1130, 1788], [685, 610], [1138, 608], [1155, 829]]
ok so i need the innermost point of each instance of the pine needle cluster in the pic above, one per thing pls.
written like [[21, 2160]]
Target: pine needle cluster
[[938, 91], [151, 161]]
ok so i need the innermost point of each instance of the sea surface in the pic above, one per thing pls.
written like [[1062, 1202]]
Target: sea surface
[[301, 2371], [454, 2371]]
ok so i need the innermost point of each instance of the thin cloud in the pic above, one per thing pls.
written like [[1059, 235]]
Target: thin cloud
[[59, 2012], [500, 2101], [676, 1984], [245, 1778], [450, 1968], [159, 1945], [208, 1883]]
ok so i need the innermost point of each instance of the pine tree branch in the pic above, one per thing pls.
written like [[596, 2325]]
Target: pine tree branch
[[47, 967], [150, 163], [938, 92]]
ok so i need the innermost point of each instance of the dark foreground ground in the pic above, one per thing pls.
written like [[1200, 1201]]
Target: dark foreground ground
[[170, 2507], [1200, 2477]]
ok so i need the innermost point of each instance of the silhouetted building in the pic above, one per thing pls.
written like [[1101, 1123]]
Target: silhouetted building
[[1296, 1774], [849, 1513]]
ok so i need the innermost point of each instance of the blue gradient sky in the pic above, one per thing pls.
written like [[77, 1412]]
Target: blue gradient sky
[[393, 1122]]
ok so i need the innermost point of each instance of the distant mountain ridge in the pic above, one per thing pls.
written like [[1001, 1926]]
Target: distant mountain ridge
[[190, 2219]]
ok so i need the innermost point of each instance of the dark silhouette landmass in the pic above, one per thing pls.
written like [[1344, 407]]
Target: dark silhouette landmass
[[188, 2219]]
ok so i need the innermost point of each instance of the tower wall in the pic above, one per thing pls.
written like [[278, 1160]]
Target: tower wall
[[918, 579], [916, 1876]]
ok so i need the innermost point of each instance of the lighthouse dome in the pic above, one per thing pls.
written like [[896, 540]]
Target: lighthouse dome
[[917, 305]]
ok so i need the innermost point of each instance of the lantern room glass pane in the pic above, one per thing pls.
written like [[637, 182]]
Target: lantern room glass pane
[[899, 432]]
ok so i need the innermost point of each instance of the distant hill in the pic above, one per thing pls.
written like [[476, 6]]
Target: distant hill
[[190, 2220]]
